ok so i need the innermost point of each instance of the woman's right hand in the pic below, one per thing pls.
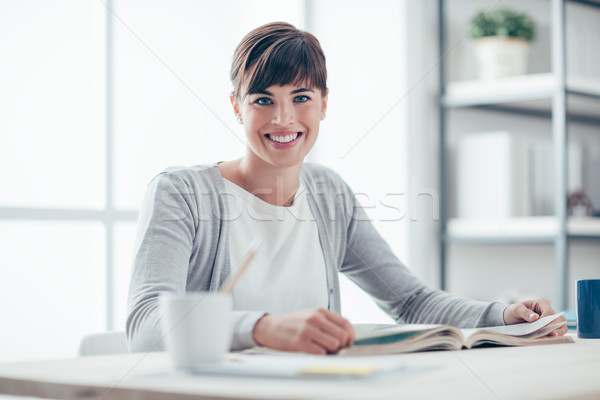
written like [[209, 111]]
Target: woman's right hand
[[316, 331]]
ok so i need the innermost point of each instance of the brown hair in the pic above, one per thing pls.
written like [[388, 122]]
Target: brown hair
[[278, 54]]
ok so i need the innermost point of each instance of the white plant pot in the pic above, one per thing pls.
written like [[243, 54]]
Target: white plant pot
[[500, 57]]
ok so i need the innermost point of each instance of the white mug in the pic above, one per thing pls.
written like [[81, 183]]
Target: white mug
[[196, 327]]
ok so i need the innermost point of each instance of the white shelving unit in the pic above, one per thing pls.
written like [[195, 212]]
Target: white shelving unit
[[553, 95], [528, 93], [529, 229]]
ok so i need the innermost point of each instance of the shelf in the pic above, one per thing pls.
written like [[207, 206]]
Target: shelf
[[528, 93], [584, 228], [519, 230], [592, 3]]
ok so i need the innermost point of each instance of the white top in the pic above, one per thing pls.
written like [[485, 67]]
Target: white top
[[288, 272]]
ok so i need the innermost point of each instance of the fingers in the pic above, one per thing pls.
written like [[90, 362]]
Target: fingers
[[347, 330], [523, 313], [316, 331], [530, 315], [313, 348], [543, 306], [528, 311], [330, 330], [560, 331], [348, 326], [326, 341]]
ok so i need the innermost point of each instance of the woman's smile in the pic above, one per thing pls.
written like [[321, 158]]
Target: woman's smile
[[284, 139]]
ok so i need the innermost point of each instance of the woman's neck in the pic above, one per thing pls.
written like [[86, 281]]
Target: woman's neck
[[274, 185]]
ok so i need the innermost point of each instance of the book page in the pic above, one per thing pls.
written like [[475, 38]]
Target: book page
[[367, 331], [396, 339], [516, 329]]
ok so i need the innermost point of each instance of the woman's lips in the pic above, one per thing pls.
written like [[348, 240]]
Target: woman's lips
[[283, 140]]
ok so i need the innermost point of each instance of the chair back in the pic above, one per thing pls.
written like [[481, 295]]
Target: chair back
[[103, 343]]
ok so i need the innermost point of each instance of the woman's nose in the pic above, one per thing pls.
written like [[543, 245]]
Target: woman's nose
[[284, 115]]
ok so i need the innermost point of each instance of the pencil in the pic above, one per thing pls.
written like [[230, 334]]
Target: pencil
[[235, 277]]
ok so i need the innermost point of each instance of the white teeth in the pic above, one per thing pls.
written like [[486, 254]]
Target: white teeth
[[283, 139]]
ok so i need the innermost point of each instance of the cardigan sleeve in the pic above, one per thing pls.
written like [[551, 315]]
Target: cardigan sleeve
[[371, 264], [163, 246], [167, 240]]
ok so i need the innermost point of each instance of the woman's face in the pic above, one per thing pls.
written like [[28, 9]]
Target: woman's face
[[281, 123]]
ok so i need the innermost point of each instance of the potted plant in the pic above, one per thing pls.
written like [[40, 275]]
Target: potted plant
[[502, 38]]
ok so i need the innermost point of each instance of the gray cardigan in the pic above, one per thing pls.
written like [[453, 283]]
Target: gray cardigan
[[182, 245]]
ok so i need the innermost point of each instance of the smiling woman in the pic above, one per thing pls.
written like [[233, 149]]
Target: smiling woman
[[280, 95], [309, 221]]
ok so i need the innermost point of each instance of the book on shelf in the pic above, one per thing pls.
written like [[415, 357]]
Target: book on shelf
[[492, 179], [395, 339], [543, 176]]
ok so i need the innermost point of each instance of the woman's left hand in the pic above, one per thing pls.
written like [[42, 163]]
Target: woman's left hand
[[531, 311]]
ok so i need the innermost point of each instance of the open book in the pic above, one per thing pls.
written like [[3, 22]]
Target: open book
[[393, 339]]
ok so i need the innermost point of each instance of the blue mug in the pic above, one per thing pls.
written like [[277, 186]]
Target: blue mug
[[588, 308]]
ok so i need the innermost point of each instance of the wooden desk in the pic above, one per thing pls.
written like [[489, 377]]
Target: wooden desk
[[544, 372]]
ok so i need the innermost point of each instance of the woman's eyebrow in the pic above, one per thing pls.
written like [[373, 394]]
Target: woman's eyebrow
[[266, 92], [301, 90], [262, 92]]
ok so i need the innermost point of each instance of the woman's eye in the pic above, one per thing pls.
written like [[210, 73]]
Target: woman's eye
[[302, 99], [263, 101]]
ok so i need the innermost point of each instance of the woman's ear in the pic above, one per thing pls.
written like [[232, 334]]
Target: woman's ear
[[236, 108], [235, 104], [324, 101], [324, 104]]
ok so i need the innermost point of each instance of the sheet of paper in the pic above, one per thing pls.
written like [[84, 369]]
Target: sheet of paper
[[302, 366], [517, 329]]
